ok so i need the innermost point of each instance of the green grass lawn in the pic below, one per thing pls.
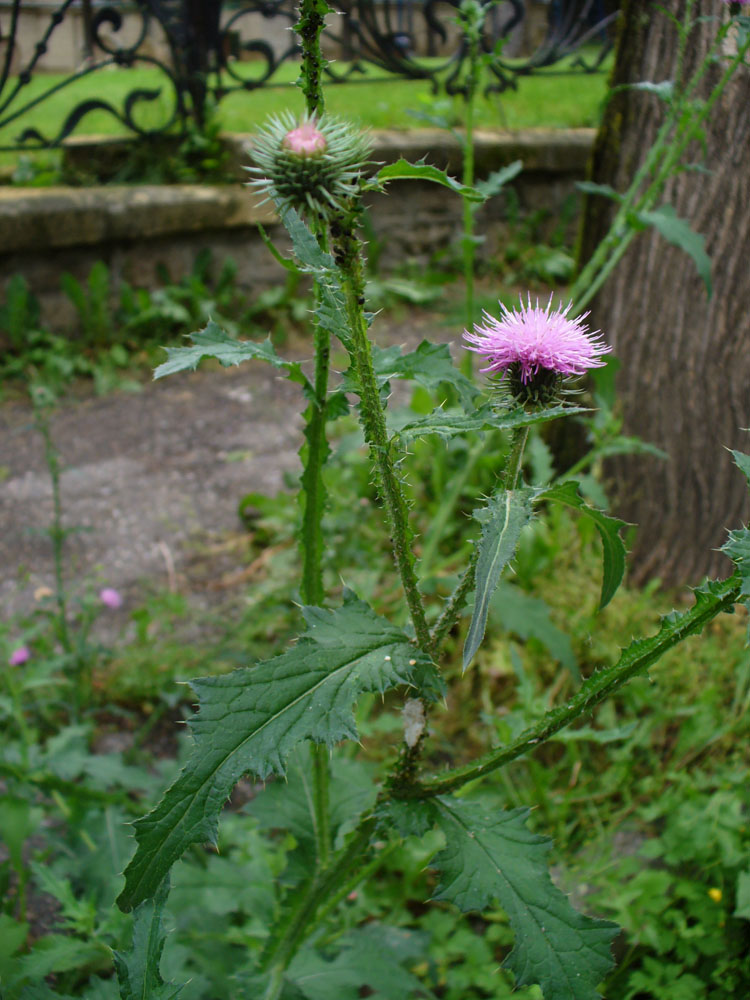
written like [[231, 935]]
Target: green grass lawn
[[559, 101]]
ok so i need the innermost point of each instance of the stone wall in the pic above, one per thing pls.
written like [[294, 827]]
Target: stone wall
[[135, 230]]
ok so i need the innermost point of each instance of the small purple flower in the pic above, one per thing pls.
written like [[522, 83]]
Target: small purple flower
[[19, 656], [525, 340], [111, 598]]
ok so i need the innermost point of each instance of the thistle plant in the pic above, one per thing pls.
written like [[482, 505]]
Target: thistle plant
[[253, 719]]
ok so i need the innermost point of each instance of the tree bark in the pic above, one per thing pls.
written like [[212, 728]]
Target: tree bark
[[684, 381]]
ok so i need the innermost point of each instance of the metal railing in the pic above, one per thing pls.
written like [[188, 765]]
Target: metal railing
[[200, 51]]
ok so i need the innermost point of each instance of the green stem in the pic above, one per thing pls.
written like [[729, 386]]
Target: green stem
[[452, 610], [277, 958], [309, 26], [372, 417], [311, 539], [319, 756], [312, 547], [635, 660], [468, 247], [362, 875]]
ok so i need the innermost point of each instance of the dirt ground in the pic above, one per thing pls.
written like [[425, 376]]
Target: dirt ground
[[148, 476]]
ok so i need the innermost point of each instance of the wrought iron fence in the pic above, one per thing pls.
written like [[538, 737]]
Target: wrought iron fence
[[199, 51]]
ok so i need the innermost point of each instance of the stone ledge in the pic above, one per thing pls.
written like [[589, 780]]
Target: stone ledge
[[39, 218], [33, 219]]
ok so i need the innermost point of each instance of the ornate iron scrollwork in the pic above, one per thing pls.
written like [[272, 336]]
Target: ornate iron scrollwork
[[211, 49]]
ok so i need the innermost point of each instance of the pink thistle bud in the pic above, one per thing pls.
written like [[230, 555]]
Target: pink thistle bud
[[111, 598], [305, 140], [19, 656]]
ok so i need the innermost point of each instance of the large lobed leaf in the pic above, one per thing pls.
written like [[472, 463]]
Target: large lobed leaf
[[613, 547], [491, 855], [502, 522], [250, 720], [213, 342], [451, 423]]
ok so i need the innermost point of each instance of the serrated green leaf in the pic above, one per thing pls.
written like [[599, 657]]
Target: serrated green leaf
[[250, 719], [402, 170], [430, 365], [330, 311], [589, 187], [409, 817], [491, 855], [138, 970], [502, 521], [61, 953], [213, 342], [529, 618], [613, 547], [370, 957], [742, 461], [737, 547], [451, 423], [678, 232], [496, 181]]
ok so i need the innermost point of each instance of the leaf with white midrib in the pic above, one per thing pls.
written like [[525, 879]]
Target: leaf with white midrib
[[250, 720], [502, 522]]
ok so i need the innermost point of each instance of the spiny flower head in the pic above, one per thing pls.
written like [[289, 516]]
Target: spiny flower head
[[536, 348], [311, 164]]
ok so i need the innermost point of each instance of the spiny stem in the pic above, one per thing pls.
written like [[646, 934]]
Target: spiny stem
[[595, 690], [309, 26], [311, 537], [349, 254]]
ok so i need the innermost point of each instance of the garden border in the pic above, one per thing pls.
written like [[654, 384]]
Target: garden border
[[133, 229]]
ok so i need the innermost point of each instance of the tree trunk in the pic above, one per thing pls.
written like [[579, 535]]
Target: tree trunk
[[684, 381]]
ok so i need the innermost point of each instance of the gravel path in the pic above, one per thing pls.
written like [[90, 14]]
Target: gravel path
[[148, 475]]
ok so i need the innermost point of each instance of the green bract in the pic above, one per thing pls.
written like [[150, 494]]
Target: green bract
[[310, 175]]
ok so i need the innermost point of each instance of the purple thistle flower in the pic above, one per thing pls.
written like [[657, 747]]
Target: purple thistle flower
[[530, 338], [111, 598], [19, 656]]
